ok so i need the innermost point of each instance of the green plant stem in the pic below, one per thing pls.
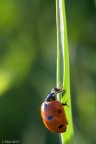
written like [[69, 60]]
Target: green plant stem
[[59, 51], [63, 74]]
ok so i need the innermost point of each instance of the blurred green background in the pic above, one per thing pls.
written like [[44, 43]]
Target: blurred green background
[[28, 68]]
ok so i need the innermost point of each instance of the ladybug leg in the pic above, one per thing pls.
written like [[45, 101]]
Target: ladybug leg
[[67, 123], [65, 104]]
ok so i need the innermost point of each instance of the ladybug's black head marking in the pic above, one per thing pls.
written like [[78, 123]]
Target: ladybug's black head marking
[[52, 95]]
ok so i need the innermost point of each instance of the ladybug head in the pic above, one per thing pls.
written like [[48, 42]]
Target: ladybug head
[[52, 95]]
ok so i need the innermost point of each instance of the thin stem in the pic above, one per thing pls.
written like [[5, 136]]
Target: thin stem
[[63, 74]]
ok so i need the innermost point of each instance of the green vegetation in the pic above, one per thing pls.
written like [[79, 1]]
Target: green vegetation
[[63, 68], [28, 68]]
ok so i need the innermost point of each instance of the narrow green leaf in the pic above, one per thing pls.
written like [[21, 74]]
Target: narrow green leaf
[[63, 74]]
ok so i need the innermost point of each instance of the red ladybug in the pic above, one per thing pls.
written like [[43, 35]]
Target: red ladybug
[[53, 114]]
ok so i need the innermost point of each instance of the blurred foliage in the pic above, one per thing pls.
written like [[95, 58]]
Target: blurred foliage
[[28, 68]]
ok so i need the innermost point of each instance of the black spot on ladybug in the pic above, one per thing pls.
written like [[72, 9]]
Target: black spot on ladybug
[[50, 117], [59, 111], [45, 106], [60, 126]]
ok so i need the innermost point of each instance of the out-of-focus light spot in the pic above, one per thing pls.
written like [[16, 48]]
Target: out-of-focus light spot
[[4, 82]]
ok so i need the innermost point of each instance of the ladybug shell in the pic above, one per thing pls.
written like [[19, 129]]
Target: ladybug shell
[[53, 116]]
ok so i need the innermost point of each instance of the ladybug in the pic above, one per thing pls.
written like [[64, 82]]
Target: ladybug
[[53, 114]]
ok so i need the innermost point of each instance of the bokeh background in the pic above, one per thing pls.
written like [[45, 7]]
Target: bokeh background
[[28, 68]]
